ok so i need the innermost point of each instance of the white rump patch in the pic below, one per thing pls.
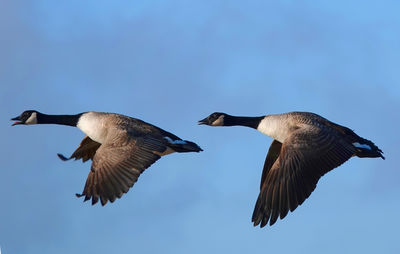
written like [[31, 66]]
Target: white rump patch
[[364, 146], [175, 142]]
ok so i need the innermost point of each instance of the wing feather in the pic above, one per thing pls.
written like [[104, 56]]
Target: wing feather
[[85, 151], [116, 168], [302, 159]]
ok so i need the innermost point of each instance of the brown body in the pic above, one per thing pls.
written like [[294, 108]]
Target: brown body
[[120, 147], [305, 147]]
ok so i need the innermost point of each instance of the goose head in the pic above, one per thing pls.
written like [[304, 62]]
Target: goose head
[[27, 117], [215, 119]]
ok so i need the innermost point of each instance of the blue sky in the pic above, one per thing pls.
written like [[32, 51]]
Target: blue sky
[[171, 63]]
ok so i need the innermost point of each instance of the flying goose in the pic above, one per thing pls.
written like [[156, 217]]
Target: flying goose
[[305, 147], [120, 147]]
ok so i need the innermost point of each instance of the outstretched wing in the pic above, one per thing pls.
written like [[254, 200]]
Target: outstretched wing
[[116, 168], [304, 157]]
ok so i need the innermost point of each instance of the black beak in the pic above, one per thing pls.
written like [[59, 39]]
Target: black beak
[[17, 120], [204, 121]]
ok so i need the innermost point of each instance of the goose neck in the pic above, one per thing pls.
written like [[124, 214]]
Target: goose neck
[[70, 120], [247, 121]]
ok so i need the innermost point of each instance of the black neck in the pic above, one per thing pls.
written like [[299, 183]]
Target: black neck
[[247, 121], [70, 120]]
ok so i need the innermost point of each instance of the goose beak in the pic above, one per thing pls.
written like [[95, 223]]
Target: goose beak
[[17, 121], [204, 121]]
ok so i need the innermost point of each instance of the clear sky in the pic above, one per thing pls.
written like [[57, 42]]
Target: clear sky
[[172, 63]]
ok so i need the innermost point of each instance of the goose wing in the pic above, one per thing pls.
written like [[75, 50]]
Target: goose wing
[[117, 166], [85, 151], [273, 154], [305, 156]]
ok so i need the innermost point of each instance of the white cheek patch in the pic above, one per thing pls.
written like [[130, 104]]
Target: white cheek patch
[[175, 142], [32, 119], [219, 121], [362, 146]]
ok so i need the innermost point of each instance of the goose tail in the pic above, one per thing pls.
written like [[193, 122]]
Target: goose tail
[[183, 146], [366, 148]]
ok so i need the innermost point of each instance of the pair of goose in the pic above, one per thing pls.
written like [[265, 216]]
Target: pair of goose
[[305, 147]]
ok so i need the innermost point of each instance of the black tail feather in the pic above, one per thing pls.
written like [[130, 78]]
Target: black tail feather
[[63, 158], [366, 148], [185, 147]]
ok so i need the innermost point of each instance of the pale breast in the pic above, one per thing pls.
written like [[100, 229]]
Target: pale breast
[[277, 127], [93, 125]]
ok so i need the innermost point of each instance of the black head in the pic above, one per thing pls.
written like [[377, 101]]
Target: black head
[[215, 119], [27, 117]]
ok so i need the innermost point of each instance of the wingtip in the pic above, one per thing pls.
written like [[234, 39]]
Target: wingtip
[[95, 199], [82, 195], [62, 157], [257, 223], [103, 201], [264, 222], [272, 222]]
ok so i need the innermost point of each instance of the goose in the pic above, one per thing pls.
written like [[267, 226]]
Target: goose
[[120, 148], [305, 146]]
